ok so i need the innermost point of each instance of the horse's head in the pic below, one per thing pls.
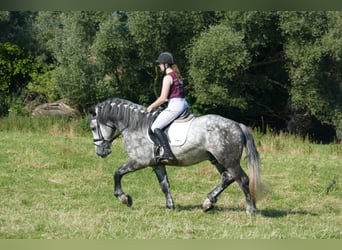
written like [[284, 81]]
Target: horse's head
[[103, 133]]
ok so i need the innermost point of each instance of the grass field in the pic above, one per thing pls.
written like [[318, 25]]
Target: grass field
[[52, 185]]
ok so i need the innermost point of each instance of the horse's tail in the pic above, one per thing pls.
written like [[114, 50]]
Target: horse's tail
[[253, 163]]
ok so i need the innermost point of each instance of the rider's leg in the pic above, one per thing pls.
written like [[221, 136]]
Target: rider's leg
[[175, 107], [164, 141], [163, 120]]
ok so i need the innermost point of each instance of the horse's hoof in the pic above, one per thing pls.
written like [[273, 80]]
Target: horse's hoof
[[126, 199], [251, 211], [129, 201], [207, 205], [170, 207]]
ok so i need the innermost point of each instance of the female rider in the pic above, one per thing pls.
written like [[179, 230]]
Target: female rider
[[173, 93]]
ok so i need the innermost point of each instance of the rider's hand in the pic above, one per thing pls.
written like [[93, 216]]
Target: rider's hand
[[149, 109]]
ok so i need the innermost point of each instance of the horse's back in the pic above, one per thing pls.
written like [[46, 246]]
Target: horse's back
[[216, 124], [218, 133]]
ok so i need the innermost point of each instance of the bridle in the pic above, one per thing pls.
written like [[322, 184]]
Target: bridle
[[101, 137]]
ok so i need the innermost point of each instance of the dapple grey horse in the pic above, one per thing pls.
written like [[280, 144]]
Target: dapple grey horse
[[210, 137]]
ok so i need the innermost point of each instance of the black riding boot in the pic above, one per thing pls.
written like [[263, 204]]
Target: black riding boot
[[167, 153]]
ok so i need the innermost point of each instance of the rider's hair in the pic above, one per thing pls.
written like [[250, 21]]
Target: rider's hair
[[175, 69]]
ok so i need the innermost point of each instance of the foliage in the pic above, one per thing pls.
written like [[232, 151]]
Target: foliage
[[16, 67], [263, 68], [258, 87], [75, 76], [216, 58], [41, 88], [115, 56], [315, 89]]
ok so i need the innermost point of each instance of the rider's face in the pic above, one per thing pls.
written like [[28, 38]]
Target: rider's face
[[162, 66]]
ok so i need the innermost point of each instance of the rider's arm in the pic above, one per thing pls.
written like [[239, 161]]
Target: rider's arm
[[167, 81]]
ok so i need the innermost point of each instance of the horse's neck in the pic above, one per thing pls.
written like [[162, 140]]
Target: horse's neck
[[128, 116], [120, 126], [131, 125]]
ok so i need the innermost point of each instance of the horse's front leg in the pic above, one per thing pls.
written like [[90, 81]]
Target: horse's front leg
[[128, 167], [161, 174]]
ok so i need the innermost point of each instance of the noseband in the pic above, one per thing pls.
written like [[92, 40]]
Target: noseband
[[101, 135]]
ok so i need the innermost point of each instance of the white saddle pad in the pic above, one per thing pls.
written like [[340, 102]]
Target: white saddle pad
[[178, 131]]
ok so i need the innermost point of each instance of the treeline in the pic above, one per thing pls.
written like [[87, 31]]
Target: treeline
[[277, 70]]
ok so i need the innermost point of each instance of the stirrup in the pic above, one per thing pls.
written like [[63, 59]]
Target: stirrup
[[166, 156], [160, 157]]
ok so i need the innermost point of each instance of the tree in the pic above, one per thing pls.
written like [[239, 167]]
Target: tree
[[331, 68], [278, 68], [274, 68], [116, 58], [128, 44], [313, 62], [244, 54], [151, 32], [217, 57], [17, 62], [69, 38]]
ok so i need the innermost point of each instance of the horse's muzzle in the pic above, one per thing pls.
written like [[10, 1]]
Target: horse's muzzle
[[103, 151]]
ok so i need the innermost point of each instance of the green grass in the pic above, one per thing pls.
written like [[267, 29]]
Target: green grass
[[52, 185]]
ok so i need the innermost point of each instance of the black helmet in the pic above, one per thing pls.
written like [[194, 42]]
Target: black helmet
[[165, 58]]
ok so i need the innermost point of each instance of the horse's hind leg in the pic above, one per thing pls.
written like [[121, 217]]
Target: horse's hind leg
[[242, 179], [161, 174], [226, 180]]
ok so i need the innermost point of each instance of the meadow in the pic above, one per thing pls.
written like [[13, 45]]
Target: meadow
[[53, 186]]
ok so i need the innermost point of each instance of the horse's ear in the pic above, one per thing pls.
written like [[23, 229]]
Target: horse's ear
[[92, 110]]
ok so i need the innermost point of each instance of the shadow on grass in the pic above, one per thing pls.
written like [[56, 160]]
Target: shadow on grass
[[214, 209], [271, 213]]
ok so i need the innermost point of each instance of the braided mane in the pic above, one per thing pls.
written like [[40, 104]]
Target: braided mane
[[130, 114]]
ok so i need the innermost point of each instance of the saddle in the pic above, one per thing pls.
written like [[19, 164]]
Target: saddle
[[176, 131]]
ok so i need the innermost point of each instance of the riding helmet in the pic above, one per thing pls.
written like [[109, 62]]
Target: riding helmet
[[165, 58]]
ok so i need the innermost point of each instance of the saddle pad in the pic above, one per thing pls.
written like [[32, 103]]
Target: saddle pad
[[178, 131]]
